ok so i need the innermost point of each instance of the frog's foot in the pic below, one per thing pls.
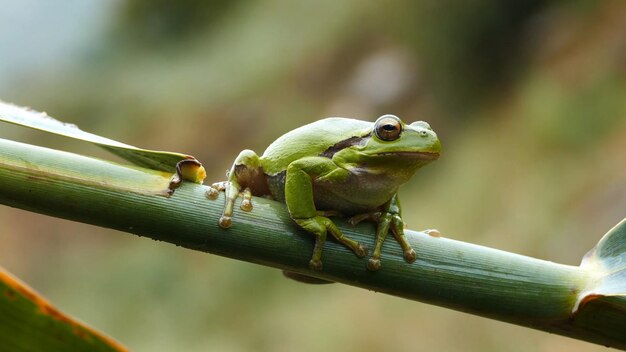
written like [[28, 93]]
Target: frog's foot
[[397, 228], [246, 199], [361, 250], [383, 221], [231, 194], [246, 202], [186, 170], [315, 264], [387, 221], [373, 264], [410, 256], [214, 191], [320, 226]]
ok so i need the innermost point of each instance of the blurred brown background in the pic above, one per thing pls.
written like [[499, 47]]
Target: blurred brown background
[[527, 97]]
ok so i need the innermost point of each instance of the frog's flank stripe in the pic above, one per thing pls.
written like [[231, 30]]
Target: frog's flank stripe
[[330, 152]]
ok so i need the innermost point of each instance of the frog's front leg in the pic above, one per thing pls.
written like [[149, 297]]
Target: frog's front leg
[[245, 173], [390, 218], [301, 174]]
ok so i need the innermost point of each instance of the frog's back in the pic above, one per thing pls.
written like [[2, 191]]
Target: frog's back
[[310, 140]]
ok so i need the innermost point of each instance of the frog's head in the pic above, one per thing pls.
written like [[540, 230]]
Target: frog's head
[[392, 137], [390, 145]]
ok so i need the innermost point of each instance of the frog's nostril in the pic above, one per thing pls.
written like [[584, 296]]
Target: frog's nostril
[[423, 134]]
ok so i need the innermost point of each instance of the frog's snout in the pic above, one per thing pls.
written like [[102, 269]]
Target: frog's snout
[[435, 147], [431, 143]]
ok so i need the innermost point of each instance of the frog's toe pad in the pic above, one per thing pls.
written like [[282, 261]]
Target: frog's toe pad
[[373, 264], [212, 193], [360, 250], [225, 221], [246, 205], [410, 256], [315, 264]]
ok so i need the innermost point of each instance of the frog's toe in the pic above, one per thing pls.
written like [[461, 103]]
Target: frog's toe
[[354, 220], [246, 205], [212, 193], [373, 264], [225, 221], [360, 250], [246, 199], [357, 219], [410, 256], [315, 264]]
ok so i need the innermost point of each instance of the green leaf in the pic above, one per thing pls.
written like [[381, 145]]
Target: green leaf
[[152, 159], [28, 322], [607, 262]]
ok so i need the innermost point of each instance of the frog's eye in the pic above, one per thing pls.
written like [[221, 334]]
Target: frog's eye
[[388, 127]]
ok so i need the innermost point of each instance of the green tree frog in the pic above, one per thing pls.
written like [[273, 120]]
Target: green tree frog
[[331, 167]]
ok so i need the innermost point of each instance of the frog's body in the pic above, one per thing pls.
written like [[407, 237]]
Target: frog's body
[[363, 188], [336, 165]]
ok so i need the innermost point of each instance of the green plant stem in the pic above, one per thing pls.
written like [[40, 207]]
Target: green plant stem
[[462, 276]]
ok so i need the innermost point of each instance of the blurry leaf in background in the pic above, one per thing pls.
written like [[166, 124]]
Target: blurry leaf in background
[[575, 117], [30, 323], [472, 50], [146, 24]]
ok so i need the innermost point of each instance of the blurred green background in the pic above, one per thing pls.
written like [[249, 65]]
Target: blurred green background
[[529, 99]]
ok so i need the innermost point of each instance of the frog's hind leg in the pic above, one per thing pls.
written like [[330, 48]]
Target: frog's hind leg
[[384, 220], [301, 206], [397, 228], [320, 226], [389, 219], [317, 227], [245, 174]]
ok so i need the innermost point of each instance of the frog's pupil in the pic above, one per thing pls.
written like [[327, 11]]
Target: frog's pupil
[[389, 127]]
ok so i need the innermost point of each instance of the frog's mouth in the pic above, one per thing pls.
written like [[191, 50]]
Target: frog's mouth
[[413, 155]]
